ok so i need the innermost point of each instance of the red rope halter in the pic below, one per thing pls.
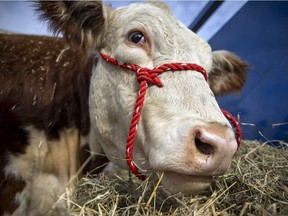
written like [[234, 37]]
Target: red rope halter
[[145, 76]]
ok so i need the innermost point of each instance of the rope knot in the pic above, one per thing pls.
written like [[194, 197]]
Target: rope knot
[[146, 74]]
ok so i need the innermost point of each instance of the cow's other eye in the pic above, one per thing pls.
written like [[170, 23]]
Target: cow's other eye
[[136, 37]]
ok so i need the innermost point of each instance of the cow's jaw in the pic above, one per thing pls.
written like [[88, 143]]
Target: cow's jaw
[[177, 182]]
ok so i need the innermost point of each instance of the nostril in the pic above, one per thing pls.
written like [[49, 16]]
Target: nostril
[[211, 148], [204, 148]]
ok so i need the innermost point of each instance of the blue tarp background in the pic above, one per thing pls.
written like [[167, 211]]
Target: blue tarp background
[[259, 34]]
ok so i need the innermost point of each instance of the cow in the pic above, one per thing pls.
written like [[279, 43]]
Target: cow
[[58, 94]]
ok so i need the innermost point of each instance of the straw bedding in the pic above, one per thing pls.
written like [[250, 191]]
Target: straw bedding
[[257, 184]]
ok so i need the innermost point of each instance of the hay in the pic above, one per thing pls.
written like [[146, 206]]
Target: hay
[[257, 184]]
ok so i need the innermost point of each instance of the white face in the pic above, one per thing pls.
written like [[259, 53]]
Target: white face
[[182, 131]]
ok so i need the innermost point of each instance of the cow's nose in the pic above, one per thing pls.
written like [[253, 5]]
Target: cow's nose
[[213, 147]]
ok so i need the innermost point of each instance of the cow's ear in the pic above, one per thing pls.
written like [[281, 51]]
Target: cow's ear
[[80, 22], [228, 73]]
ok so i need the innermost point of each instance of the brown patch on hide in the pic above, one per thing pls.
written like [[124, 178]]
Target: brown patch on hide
[[9, 189], [228, 73], [12, 139], [44, 83]]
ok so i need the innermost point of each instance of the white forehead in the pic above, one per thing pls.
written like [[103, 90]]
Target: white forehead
[[145, 7], [168, 35], [149, 16]]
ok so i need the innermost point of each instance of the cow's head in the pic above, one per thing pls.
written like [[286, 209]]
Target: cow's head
[[182, 131]]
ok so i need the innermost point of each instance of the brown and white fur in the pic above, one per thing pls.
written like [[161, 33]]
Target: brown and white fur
[[56, 95]]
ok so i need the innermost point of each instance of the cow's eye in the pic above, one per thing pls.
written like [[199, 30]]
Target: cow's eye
[[136, 37]]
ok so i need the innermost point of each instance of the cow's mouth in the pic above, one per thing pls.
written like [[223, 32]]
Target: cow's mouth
[[176, 182]]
